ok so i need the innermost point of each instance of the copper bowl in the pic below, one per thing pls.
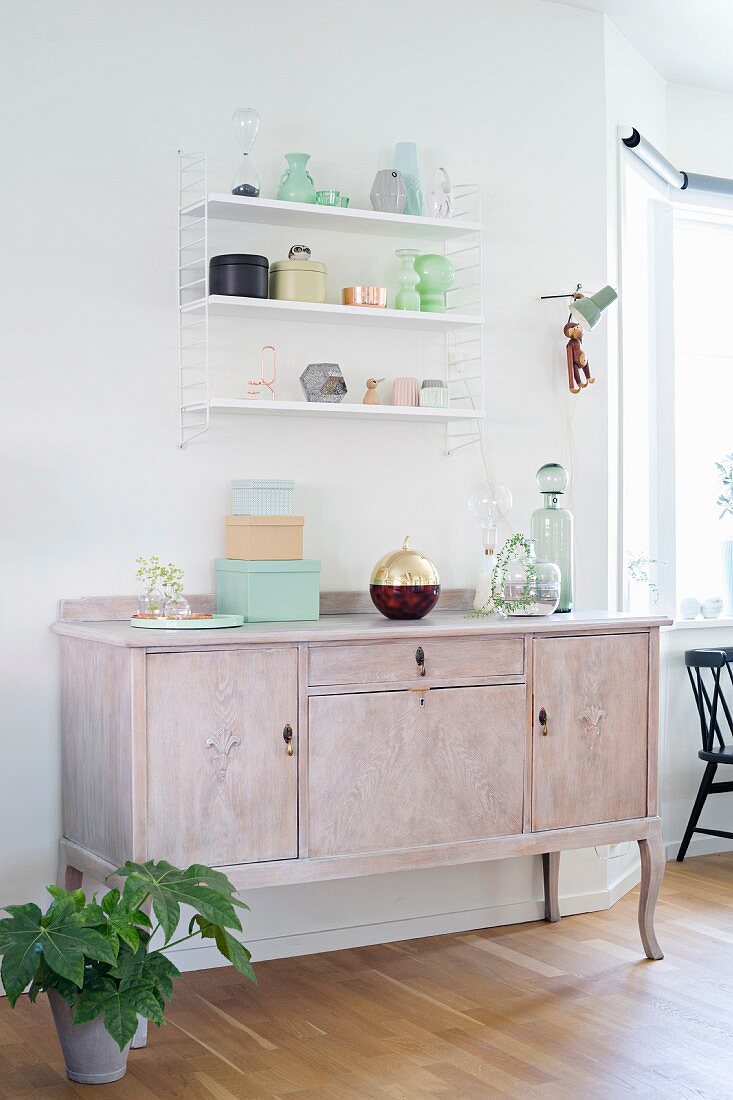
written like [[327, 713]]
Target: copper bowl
[[374, 296]]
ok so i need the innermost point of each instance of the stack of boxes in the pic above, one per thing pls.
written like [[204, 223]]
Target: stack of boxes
[[264, 576]]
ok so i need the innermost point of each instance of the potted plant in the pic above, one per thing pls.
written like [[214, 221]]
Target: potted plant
[[95, 960], [725, 503]]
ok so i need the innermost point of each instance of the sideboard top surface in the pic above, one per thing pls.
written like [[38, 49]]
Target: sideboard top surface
[[361, 627]]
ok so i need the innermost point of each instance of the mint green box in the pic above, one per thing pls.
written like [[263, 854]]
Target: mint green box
[[268, 591]]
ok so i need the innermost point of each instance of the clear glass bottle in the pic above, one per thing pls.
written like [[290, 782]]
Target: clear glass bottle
[[177, 607], [552, 529]]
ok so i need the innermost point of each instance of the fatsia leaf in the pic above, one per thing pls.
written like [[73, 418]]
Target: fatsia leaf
[[230, 947], [160, 971], [59, 937], [94, 916], [217, 880], [110, 900], [170, 888], [119, 1007], [59, 894]]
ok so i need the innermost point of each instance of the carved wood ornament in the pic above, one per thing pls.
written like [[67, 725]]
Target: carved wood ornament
[[592, 717], [223, 742]]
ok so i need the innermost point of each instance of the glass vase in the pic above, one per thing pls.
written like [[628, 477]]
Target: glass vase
[[296, 184], [538, 595], [436, 274], [150, 603], [176, 607], [407, 296], [407, 161]]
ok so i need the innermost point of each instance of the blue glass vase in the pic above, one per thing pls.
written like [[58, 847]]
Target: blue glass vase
[[407, 161]]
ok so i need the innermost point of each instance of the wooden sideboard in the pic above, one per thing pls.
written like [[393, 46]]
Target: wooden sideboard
[[296, 752]]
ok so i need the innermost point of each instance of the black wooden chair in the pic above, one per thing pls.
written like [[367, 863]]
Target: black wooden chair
[[711, 676]]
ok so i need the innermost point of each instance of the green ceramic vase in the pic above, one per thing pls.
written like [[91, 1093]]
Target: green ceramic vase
[[407, 296], [296, 184], [436, 275]]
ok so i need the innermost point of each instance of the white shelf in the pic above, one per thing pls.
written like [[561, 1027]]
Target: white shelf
[[222, 305], [299, 215], [262, 406]]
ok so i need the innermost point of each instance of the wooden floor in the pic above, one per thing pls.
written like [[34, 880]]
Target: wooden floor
[[532, 1010]]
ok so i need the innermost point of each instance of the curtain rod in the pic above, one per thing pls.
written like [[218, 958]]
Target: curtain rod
[[682, 181]]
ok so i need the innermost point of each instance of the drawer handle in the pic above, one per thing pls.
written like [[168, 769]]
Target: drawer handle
[[420, 658], [288, 738], [543, 721]]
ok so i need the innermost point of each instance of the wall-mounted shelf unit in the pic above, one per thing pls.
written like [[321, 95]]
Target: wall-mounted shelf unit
[[266, 407], [460, 329], [298, 215], [222, 305]]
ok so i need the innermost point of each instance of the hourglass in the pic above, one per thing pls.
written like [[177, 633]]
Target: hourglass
[[246, 124]]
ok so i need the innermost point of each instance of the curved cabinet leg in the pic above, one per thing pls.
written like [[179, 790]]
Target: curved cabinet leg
[[652, 871], [550, 874], [69, 877]]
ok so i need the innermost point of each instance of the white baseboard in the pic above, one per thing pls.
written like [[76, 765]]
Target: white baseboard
[[366, 935], [701, 845]]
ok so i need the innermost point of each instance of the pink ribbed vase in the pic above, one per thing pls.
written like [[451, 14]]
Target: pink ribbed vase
[[406, 391]]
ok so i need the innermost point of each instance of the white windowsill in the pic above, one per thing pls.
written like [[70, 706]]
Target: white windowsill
[[701, 624]]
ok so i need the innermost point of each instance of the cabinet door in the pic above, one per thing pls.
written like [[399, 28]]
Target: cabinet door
[[591, 764], [405, 769], [221, 786]]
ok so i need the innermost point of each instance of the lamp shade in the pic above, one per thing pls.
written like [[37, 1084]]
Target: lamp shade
[[587, 311]]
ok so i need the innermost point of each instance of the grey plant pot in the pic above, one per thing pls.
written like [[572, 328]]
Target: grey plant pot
[[92, 1056]]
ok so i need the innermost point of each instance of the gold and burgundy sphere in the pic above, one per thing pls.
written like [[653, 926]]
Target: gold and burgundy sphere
[[404, 584]]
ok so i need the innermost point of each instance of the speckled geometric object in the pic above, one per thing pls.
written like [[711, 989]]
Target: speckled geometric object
[[323, 382]]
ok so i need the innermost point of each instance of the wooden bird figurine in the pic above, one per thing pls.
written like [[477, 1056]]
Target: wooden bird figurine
[[371, 397]]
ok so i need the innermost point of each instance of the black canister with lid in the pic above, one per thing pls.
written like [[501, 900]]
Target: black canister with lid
[[239, 274]]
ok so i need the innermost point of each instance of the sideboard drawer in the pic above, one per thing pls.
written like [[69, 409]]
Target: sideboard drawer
[[398, 769], [399, 662]]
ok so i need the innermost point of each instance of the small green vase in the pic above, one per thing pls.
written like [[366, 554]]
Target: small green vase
[[296, 184], [436, 275], [407, 296]]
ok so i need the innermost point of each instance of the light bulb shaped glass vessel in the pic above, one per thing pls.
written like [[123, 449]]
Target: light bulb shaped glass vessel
[[407, 296], [246, 125], [488, 504], [552, 529]]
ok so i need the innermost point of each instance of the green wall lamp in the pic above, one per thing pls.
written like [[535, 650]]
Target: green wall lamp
[[585, 313]]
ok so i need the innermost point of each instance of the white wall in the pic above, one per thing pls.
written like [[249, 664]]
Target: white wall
[[700, 130], [96, 97]]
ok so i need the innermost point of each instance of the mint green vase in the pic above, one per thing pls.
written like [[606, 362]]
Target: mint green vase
[[296, 184], [436, 275], [408, 278]]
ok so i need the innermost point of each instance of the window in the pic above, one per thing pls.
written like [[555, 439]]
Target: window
[[676, 395], [703, 303]]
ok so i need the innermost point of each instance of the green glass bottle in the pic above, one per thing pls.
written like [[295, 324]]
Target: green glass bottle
[[552, 529]]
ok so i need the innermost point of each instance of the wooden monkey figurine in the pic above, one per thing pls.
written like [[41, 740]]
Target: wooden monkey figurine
[[578, 370]]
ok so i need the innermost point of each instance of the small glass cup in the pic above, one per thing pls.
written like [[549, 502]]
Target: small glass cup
[[328, 198], [344, 200], [150, 603]]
